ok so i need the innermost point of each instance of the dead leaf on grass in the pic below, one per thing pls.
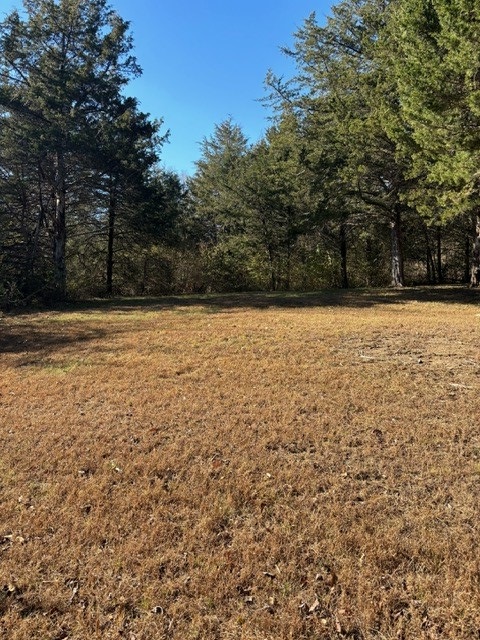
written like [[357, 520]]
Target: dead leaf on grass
[[315, 606]]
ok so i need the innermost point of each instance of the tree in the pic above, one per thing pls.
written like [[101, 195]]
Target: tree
[[219, 205], [325, 162], [274, 187], [342, 76], [21, 214], [61, 68], [214, 185], [128, 150], [436, 70]]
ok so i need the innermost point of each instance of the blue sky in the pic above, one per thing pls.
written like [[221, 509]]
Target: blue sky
[[206, 60]]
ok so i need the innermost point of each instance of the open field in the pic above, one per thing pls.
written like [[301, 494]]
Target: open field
[[250, 467]]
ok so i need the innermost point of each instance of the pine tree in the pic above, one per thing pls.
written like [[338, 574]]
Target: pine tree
[[343, 80], [436, 70], [61, 67], [275, 188]]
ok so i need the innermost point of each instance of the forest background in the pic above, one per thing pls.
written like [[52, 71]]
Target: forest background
[[367, 174]]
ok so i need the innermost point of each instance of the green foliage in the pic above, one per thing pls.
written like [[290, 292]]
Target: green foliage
[[214, 188], [371, 159], [438, 45], [437, 83], [62, 69]]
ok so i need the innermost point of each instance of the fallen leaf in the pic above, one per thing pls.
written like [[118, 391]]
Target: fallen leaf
[[314, 606], [338, 626]]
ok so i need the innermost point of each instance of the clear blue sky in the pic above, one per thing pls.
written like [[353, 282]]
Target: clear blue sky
[[205, 60]]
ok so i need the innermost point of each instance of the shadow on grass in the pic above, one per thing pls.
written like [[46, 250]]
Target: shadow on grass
[[23, 336], [350, 298]]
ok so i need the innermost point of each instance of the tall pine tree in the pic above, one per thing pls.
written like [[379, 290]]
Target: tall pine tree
[[61, 68], [437, 72]]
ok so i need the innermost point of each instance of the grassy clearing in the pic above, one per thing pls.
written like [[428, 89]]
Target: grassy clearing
[[242, 467]]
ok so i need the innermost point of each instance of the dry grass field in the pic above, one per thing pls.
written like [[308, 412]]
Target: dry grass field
[[251, 467]]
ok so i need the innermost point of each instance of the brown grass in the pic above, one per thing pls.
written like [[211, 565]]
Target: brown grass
[[249, 467]]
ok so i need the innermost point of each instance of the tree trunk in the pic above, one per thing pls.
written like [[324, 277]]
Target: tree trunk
[[343, 257], [475, 271], [370, 260], [288, 275], [468, 252], [290, 243], [35, 242], [397, 253], [60, 228], [439, 256], [431, 279], [273, 278], [143, 285], [271, 253], [33, 250], [112, 210]]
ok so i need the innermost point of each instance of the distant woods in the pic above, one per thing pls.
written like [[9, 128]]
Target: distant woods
[[367, 175]]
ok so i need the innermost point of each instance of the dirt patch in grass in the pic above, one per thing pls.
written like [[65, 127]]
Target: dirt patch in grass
[[248, 467]]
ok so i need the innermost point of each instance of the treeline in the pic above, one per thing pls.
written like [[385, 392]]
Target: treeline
[[367, 175]]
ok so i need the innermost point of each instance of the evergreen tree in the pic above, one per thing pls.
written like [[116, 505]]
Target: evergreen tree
[[128, 150], [436, 69], [274, 188], [214, 185], [342, 77], [220, 208], [61, 67]]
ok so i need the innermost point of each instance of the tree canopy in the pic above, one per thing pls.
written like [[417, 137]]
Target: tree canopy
[[366, 175]]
